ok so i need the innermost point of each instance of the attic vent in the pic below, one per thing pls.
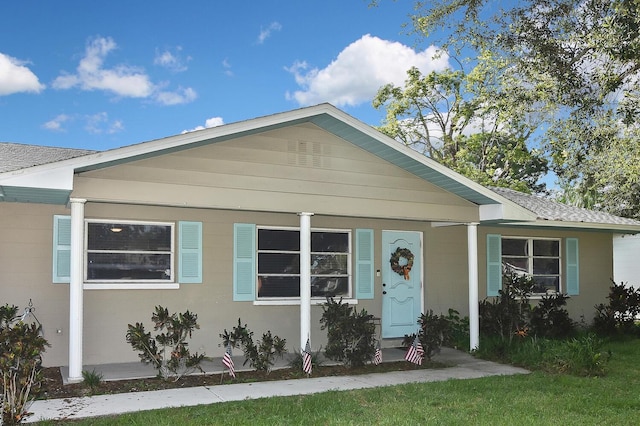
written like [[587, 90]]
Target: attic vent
[[302, 153]]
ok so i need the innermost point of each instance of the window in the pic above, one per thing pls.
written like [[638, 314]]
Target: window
[[537, 258], [279, 263], [129, 251]]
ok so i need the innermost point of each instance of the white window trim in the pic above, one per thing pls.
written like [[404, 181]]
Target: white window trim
[[273, 301], [130, 284], [530, 240]]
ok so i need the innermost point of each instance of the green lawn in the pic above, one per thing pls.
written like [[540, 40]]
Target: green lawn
[[537, 398]]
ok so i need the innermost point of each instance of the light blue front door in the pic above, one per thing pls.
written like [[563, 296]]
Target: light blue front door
[[401, 288]]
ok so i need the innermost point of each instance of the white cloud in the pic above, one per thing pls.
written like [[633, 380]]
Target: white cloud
[[265, 33], [173, 62], [209, 122], [355, 76], [227, 68], [180, 96], [55, 125], [123, 80], [99, 123], [15, 77]]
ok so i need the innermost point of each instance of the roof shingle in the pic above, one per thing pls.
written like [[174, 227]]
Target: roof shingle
[[15, 156], [547, 209]]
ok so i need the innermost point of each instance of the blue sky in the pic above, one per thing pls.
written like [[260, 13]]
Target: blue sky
[[101, 75]]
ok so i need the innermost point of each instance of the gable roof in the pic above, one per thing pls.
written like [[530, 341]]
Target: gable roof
[[15, 156], [53, 182], [45, 175], [552, 212]]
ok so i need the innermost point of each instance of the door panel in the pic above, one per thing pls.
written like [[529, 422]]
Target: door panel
[[402, 288]]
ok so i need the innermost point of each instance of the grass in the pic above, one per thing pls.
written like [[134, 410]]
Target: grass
[[538, 398]]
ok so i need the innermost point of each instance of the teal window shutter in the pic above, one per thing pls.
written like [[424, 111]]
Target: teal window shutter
[[573, 272], [190, 252], [244, 262], [61, 249], [364, 264], [494, 264]]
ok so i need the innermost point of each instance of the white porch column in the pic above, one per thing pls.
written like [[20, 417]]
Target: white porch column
[[75, 289], [472, 256], [305, 278]]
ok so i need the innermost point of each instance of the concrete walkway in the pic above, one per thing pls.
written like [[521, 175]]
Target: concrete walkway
[[464, 366]]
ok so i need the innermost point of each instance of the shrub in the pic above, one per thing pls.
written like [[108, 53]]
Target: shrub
[[350, 334], [508, 314], [92, 379], [550, 319], [434, 331], [620, 314], [168, 351], [438, 330], [21, 348], [458, 337], [296, 361], [260, 356]]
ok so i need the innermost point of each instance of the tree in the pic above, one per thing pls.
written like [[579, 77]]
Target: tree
[[580, 60], [462, 121]]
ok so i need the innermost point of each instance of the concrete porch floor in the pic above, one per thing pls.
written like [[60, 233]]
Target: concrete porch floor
[[138, 370]]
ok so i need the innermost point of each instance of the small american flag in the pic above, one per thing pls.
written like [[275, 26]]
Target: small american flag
[[415, 352], [377, 358], [228, 361], [306, 358]]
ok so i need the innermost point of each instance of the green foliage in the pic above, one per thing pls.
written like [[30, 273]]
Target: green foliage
[[458, 337], [21, 348], [260, 355], [296, 361], [508, 314], [579, 356], [437, 331], [433, 114], [168, 351], [92, 378], [550, 319], [565, 70], [350, 334], [619, 316]]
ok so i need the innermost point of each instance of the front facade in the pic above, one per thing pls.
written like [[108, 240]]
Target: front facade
[[261, 220]]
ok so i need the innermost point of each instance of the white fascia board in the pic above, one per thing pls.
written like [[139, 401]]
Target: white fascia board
[[60, 178]]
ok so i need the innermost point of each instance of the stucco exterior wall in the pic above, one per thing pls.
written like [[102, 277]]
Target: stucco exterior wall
[[26, 265], [595, 265]]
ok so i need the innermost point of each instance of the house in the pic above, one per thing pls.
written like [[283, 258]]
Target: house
[[261, 220]]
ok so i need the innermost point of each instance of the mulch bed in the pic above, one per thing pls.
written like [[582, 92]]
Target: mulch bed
[[53, 386]]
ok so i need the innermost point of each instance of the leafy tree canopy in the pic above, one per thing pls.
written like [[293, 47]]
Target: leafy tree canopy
[[568, 68]]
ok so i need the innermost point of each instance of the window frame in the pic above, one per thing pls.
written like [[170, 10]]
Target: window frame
[[296, 299], [530, 257], [171, 282]]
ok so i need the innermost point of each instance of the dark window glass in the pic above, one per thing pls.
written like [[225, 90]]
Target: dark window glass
[[279, 263], [128, 237], [514, 247], [546, 248], [124, 266], [278, 239], [329, 242]]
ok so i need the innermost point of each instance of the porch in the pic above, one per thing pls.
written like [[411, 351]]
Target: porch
[[138, 370]]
